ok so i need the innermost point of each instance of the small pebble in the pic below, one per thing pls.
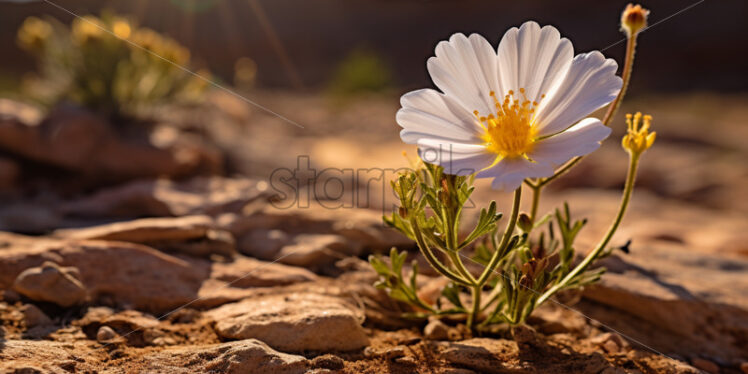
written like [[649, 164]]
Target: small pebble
[[610, 342], [370, 352], [151, 335], [523, 334], [706, 365], [611, 347], [410, 361], [436, 330], [328, 361], [394, 352], [105, 334], [33, 316], [164, 341]]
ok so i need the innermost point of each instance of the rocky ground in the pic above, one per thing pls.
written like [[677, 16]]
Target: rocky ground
[[108, 266]]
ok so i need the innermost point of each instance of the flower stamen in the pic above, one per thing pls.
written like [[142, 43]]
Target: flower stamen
[[510, 131], [638, 138]]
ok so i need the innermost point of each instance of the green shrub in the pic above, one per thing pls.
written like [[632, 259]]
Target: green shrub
[[107, 64]]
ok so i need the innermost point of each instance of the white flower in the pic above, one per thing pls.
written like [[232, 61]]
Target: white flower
[[512, 114]]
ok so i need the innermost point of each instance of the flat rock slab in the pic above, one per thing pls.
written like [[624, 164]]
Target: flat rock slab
[[140, 277], [192, 235], [127, 274], [41, 356], [161, 197], [240, 357], [486, 355], [311, 236], [238, 279], [701, 298], [293, 322]]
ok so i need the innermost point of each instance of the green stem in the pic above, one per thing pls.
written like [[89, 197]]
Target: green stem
[[508, 231], [628, 68], [461, 268], [451, 230], [422, 304], [473, 316], [535, 201], [627, 191], [431, 258]]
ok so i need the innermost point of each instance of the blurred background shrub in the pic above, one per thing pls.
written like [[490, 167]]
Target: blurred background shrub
[[361, 71], [107, 64]]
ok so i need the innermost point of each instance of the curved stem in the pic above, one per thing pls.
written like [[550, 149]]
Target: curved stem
[[451, 230], [508, 231], [461, 268], [628, 67], [535, 201], [627, 191], [422, 304], [431, 258]]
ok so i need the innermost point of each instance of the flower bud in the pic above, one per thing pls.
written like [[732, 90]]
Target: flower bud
[[403, 212], [638, 139], [634, 19], [526, 283], [524, 222], [444, 193]]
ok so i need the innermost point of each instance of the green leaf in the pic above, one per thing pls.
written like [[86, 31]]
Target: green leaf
[[379, 266], [414, 275], [452, 293]]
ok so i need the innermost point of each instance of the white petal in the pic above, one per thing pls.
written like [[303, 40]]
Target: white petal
[[509, 173], [439, 105], [507, 183], [430, 114], [590, 83], [417, 124], [578, 140], [456, 158], [465, 69], [534, 59]]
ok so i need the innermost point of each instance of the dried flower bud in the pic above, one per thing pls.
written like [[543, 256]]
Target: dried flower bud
[[403, 212], [634, 19], [638, 139], [526, 282], [524, 222], [443, 194], [445, 184], [538, 252]]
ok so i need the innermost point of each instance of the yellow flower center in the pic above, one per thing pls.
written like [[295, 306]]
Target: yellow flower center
[[510, 132]]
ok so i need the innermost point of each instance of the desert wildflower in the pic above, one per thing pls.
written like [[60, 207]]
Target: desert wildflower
[[510, 114], [638, 138]]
